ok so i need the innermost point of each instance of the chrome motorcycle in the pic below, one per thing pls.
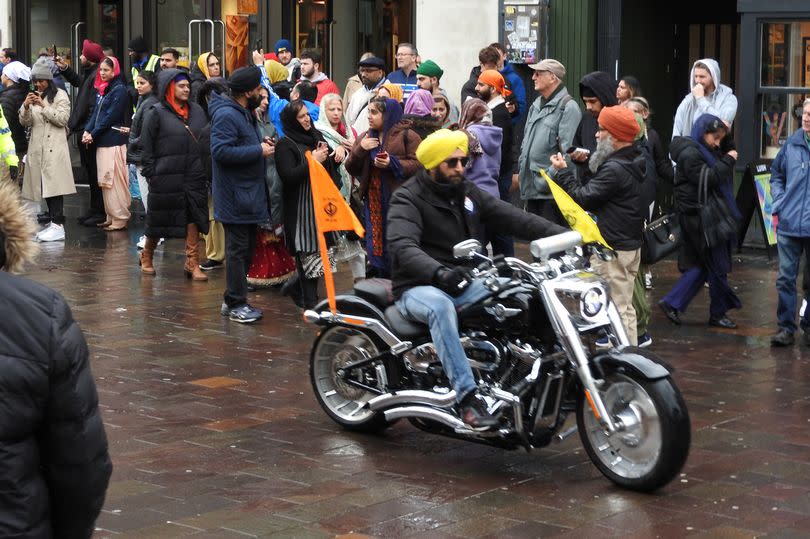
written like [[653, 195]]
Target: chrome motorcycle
[[531, 347]]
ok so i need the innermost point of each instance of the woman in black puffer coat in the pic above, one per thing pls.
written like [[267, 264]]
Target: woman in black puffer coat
[[173, 166], [54, 461]]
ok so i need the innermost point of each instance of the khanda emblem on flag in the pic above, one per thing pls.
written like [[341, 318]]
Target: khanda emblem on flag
[[332, 214]]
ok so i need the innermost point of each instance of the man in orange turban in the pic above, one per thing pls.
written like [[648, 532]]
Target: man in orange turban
[[613, 195]]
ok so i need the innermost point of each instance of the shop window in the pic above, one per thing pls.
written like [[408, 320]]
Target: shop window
[[785, 71], [780, 115], [785, 54], [172, 27]]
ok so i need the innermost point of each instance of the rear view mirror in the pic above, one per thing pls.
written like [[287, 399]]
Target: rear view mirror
[[466, 249]]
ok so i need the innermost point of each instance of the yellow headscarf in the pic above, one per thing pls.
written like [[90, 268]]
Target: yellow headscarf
[[395, 90], [439, 146], [202, 63], [275, 71]]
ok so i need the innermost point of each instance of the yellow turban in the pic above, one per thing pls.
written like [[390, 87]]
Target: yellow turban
[[275, 71], [439, 146]]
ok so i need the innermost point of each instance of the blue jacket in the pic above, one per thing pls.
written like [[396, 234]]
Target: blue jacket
[[518, 89], [109, 110], [238, 168], [790, 187], [399, 77]]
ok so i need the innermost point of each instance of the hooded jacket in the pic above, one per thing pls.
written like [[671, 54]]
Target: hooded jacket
[[548, 122], [54, 461], [171, 156], [790, 179], [239, 189], [484, 169], [613, 195], [11, 99], [721, 102], [134, 145], [603, 85], [324, 86]]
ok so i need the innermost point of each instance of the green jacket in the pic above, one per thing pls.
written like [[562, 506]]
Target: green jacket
[[550, 128]]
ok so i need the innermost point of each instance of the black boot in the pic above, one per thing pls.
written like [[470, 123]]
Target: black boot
[[292, 288], [310, 292], [474, 412]]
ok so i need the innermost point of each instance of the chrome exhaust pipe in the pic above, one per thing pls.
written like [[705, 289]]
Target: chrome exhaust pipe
[[425, 412], [412, 396]]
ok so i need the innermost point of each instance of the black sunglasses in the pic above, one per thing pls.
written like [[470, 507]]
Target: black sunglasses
[[454, 161]]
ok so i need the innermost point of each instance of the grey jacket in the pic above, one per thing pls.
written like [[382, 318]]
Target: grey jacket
[[545, 124]]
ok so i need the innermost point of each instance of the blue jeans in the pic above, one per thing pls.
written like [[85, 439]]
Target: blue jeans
[[437, 309], [790, 256]]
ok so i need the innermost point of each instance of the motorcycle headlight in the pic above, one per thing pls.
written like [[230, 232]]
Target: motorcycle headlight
[[592, 302]]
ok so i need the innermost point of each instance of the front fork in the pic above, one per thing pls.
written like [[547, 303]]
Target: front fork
[[573, 344]]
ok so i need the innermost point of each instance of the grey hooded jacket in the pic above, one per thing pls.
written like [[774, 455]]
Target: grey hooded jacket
[[721, 102]]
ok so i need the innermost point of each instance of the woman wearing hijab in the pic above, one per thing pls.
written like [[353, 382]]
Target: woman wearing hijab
[[340, 138], [46, 113], [207, 66], [382, 159], [484, 146], [103, 129], [706, 151], [441, 111], [172, 164], [419, 111], [299, 217], [275, 74], [390, 90], [272, 264]]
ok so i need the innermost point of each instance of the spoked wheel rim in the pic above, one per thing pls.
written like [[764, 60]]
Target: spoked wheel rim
[[338, 347], [635, 450]]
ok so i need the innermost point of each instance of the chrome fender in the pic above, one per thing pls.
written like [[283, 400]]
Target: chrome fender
[[632, 358]]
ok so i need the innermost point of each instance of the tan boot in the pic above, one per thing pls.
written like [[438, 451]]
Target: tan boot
[[145, 260], [192, 267]]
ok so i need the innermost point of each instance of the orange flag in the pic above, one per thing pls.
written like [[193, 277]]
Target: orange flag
[[332, 213]]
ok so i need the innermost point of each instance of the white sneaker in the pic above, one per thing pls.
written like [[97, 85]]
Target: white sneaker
[[52, 232], [803, 308], [142, 242]]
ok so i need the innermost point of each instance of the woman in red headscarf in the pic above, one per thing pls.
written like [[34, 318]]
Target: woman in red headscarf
[[104, 130]]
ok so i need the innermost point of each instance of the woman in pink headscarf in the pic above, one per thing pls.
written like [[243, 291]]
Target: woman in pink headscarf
[[104, 130], [418, 109]]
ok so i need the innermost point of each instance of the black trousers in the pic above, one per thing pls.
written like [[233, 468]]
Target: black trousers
[[240, 242], [502, 244], [87, 154], [56, 209], [546, 208]]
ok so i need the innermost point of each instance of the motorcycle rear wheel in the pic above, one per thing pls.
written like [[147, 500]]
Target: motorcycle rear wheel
[[653, 445], [335, 347]]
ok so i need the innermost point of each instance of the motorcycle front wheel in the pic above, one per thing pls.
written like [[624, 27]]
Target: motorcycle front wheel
[[334, 348], [653, 439]]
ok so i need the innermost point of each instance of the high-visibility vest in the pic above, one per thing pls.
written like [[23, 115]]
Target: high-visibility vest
[[8, 155], [150, 66]]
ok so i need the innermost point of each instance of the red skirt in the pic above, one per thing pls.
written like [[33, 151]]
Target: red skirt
[[272, 264]]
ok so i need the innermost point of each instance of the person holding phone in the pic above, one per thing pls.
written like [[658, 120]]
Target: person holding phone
[[16, 86], [300, 233], [46, 112], [382, 159]]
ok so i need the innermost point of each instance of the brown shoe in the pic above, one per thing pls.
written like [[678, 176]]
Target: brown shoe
[[192, 265], [145, 258]]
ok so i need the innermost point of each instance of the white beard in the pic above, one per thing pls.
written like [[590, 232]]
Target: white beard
[[604, 147]]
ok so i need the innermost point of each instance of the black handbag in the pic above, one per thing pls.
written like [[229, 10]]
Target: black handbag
[[716, 221], [660, 239]]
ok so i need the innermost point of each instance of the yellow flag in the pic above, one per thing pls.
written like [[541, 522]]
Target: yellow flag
[[332, 213], [577, 218]]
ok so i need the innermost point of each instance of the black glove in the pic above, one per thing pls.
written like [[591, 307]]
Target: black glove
[[13, 172], [453, 281]]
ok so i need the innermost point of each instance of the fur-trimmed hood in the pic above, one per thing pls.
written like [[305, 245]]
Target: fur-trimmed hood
[[16, 230]]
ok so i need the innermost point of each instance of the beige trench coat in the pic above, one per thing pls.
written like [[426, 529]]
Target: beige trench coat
[[48, 172]]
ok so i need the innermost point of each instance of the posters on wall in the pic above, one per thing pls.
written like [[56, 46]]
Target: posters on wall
[[523, 25], [762, 182]]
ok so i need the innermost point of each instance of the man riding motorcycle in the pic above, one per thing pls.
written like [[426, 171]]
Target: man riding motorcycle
[[427, 216]]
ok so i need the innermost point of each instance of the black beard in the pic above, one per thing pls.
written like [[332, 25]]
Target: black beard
[[253, 102], [485, 96], [447, 186]]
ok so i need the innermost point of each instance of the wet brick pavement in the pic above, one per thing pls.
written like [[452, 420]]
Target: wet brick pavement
[[214, 430]]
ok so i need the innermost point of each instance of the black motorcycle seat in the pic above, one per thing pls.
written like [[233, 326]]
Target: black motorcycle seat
[[376, 291], [401, 326]]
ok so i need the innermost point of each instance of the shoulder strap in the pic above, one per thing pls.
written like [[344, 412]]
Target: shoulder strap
[[564, 101]]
